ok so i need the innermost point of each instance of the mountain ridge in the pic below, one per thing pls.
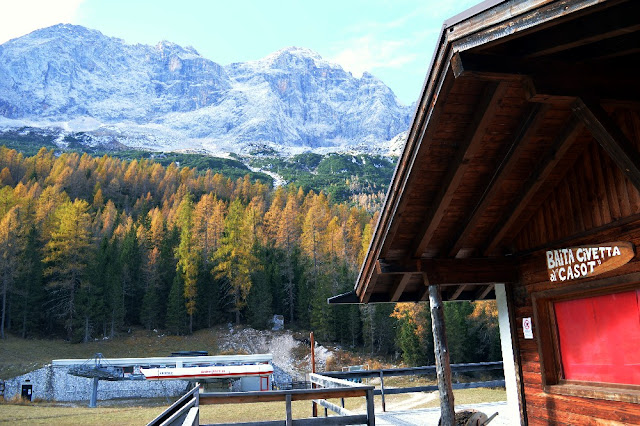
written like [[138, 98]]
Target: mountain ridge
[[69, 78]]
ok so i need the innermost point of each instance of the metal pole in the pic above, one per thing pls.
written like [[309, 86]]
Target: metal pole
[[94, 393], [314, 406], [443, 368]]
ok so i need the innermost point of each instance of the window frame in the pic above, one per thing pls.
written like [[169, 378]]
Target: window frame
[[547, 338]]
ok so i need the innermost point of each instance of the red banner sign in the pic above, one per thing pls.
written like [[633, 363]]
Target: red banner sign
[[586, 261]]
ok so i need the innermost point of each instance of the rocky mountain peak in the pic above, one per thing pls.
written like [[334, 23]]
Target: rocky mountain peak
[[170, 97]]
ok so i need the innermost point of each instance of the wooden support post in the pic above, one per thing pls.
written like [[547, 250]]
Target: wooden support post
[[314, 406], [384, 404], [371, 414], [443, 368], [289, 421]]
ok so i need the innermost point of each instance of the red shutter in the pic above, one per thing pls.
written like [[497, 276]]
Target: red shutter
[[600, 338]]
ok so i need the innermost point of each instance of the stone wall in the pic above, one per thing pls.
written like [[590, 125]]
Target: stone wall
[[55, 384]]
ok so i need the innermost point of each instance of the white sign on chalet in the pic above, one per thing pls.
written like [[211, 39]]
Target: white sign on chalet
[[586, 261]]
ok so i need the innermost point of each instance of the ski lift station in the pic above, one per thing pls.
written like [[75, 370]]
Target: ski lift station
[[78, 379]]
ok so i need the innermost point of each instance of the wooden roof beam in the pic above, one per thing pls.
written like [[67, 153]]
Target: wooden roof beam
[[535, 181], [457, 292], [610, 138], [482, 293], [526, 130], [621, 19], [424, 140], [458, 166], [550, 81], [458, 271], [399, 286]]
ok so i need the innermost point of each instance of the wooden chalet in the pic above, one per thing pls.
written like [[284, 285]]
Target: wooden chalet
[[520, 182]]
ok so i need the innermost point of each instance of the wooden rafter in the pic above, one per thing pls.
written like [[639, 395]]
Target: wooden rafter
[[465, 153], [399, 286], [526, 130], [482, 293], [457, 271], [458, 291], [610, 137], [533, 184], [548, 81], [407, 163], [582, 31]]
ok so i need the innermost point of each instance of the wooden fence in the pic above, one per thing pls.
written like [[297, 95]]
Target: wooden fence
[[418, 371], [182, 411], [329, 385]]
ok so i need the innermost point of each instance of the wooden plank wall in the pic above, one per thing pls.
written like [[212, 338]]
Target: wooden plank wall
[[594, 204], [545, 408], [593, 194]]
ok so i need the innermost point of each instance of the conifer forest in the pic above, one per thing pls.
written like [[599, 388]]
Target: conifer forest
[[93, 246]]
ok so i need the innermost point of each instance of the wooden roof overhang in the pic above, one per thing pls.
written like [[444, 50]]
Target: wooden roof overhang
[[514, 92]]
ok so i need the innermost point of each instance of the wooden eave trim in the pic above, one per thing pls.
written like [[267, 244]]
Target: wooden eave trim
[[469, 147], [512, 17]]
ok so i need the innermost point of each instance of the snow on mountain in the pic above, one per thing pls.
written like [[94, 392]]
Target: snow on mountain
[[169, 97]]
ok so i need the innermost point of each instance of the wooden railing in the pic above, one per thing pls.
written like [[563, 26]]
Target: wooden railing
[[417, 371], [185, 411], [329, 385]]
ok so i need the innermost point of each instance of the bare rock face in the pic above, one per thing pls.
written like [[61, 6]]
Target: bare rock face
[[171, 95]]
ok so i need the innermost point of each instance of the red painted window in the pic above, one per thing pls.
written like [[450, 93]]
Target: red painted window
[[600, 338]]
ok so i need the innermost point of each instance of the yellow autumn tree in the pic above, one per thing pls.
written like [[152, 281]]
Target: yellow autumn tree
[[234, 258]]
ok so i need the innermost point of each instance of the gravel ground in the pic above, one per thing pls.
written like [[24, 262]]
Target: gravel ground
[[281, 344]]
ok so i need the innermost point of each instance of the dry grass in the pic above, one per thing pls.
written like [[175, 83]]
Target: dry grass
[[18, 356], [47, 413]]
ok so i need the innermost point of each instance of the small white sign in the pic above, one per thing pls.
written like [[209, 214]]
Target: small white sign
[[527, 328]]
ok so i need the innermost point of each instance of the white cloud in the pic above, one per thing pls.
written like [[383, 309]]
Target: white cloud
[[20, 17], [367, 54]]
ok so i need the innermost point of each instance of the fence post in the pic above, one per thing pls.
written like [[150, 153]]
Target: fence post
[[371, 414], [289, 421], [384, 404], [197, 395]]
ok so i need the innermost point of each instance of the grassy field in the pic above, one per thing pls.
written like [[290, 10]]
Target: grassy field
[[45, 413], [18, 356]]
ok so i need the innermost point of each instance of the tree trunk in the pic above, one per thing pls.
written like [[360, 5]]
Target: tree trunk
[[443, 368], [86, 330], [4, 306]]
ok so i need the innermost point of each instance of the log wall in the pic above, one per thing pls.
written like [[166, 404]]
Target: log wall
[[593, 204]]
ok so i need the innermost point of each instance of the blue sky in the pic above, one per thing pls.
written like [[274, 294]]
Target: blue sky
[[392, 39]]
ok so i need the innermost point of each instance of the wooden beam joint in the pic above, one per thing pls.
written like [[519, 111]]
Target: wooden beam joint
[[610, 138]]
